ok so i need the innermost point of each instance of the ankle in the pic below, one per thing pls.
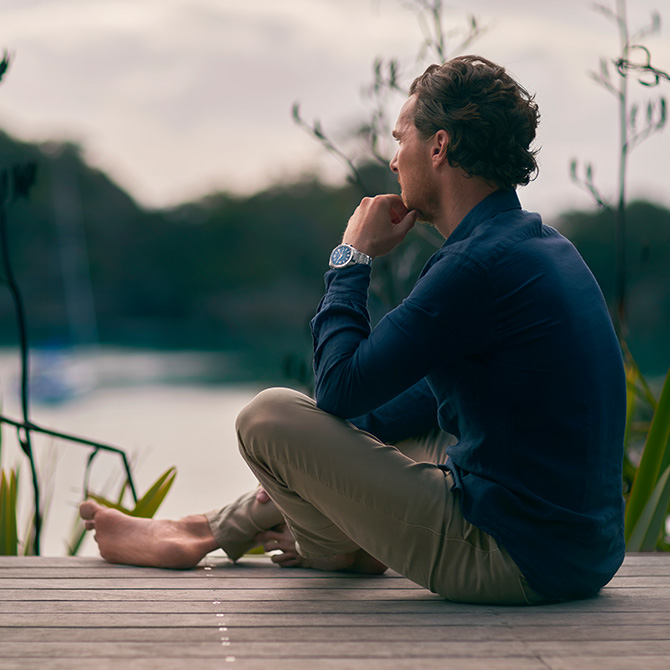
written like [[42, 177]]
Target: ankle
[[197, 528]]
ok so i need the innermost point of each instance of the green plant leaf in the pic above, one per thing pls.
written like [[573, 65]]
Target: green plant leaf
[[631, 400], [149, 503], [76, 538], [9, 541], [108, 503], [255, 551], [655, 459], [651, 522], [1, 431]]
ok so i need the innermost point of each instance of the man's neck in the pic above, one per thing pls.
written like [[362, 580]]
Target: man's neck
[[459, 195]]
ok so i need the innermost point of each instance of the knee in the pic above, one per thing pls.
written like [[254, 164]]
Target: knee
[[269, 415]]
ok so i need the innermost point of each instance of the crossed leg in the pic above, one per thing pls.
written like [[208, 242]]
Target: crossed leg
[[252, 520], [349, 503], [181, 544]]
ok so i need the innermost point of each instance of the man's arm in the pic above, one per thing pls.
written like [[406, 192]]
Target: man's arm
[[358, 369], [412, 413]]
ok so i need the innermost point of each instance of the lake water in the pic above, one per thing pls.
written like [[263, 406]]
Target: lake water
[[150, 404]]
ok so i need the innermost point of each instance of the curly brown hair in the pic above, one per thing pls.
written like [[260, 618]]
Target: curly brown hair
[[490, 118]]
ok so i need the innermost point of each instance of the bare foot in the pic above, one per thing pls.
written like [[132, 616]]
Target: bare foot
[[280, 540], [148, 542]]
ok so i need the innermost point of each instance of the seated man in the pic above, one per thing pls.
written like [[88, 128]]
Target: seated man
[[472, 441]]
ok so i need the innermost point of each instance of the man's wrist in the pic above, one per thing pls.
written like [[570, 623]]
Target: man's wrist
[[345, 255]]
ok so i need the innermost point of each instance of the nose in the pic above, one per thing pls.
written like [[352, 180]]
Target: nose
[[394, 163]]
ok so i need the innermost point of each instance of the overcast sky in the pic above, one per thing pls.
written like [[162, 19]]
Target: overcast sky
[[177, 98]]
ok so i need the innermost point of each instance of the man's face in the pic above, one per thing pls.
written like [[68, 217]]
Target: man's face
[[412, 165]]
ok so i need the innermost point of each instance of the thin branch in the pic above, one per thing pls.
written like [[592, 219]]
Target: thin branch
[[606, 11], [653, 28], [653, 125], [97, 446], [643, 70], [316, 131], [602, 81], [587, 184], [22, 182]]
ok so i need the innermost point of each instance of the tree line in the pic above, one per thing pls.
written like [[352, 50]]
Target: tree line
[[243, 274]]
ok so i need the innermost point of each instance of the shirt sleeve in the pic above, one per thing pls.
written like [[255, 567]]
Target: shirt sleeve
[[412, 413], [447, 315]]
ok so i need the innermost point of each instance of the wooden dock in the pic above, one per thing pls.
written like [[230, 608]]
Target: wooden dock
[[74, 613]]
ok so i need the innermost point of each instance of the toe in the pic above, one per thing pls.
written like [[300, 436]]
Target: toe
[[88, 509]]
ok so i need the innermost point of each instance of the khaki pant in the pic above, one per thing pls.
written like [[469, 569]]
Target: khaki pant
[[340, 489]]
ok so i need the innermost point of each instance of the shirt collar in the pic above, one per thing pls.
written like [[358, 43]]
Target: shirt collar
[[498, 201]]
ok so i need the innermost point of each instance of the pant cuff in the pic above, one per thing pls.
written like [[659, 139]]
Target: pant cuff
[[236, 525]]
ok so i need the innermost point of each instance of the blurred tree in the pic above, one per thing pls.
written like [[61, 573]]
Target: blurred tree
[[397, 271], [633, 60], [245, 273], [648, 276]]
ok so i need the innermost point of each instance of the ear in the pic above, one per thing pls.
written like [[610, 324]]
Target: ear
[[438, 150]]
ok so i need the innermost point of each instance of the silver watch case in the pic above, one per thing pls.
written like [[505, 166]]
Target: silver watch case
[[345, 255]]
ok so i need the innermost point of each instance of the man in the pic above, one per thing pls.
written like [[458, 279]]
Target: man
[[504, 343]]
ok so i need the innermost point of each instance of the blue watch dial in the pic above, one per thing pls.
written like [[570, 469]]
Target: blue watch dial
[[341, 255]]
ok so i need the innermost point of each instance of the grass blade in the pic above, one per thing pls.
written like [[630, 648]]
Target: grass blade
[[655, 456], [9, 541], [149, 503], [651, 522]]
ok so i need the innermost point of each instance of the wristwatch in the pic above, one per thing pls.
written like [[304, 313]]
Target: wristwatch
[[345, 255]]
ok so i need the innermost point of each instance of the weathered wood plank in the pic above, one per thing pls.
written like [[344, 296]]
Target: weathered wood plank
[[340, 649], [20, 594], [216, 558], [259, 567], [234, 576], [637, 561], [610, 662], [270, 634], [64, 613], [362, 663], [280, 606], [451, 619], [173, 634], [275, 650], [229, 595], [631, 569], [112, 620], [607, 600], [600, 648], [178, 582]]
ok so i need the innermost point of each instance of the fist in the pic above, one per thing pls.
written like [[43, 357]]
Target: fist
[[379, 224]]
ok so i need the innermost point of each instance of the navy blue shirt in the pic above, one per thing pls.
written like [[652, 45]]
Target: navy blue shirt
[[505, 341]]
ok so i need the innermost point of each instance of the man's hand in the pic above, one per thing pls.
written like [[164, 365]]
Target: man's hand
[[280, 542], [379, 225]]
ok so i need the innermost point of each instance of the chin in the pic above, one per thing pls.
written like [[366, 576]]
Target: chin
[[425, 219], [422, 215]]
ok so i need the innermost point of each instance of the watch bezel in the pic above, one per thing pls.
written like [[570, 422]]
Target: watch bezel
[[350, 261], [356, 257]]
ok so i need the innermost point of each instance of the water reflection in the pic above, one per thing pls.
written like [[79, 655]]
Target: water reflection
[[136, 405]]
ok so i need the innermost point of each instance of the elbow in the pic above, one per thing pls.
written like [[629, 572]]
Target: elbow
[[331, 398], [327, 402], [337, 390]]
